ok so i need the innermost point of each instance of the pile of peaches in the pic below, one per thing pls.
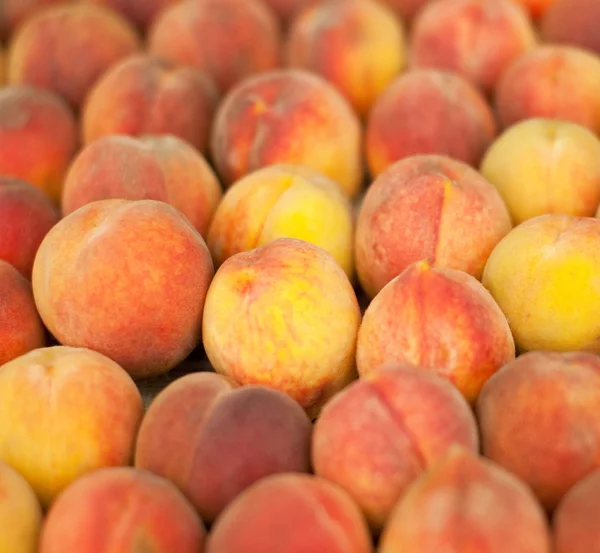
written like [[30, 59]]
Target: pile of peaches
[[376, 221]]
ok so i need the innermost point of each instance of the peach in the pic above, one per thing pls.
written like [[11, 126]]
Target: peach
[[357, 45], [467, 503], [15, 12], [540, 84], [427, 111], [545, 276], [229, 39], [21, 329], [441, 320], [66, 412], [544, 166], [286, 10], [140, 13], [285, 316], [575, 518], [536, 8], [573, 22], [214, 440], [283, 201], [66, 48], [38, 137], [377, 435], [20, 513], [127, 279], [291, 512], [158, 167], [26, 216], [474, 38], [288, 116], [124, 510], [143, 94], [428, 207], [538, 419]]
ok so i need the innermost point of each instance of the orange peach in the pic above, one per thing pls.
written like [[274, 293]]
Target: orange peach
[[474, 38], [536, 8], [545, 276], [427, 111], [15, 12], [575, 518], [545, 166], [20, 513], [427, 207], [381, 432], [286, 10], [21, 329], [38, 137], [283, 201], [147, 95], [122, 510], [538, 419], [357, 45], [140, 13], [26, 216], [467, 503], [291, 512], [573, 22], [159, 167], [66, 48], [288, 116], [441, 320], [229, 39], [286, 316], [551, 81], [127, 279], [214, 440], [66, 412]]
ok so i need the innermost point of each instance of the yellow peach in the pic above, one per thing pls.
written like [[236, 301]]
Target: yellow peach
[[283, 201], [545, 276]]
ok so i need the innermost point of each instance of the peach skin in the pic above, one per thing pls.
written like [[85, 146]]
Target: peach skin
[[286, 10], [475, 38], [15, 12], [572, 22], [127, 279], [122, 510], [428, 207], [38, 137], [538, 419], [292, 315], [291, 512], [441, 320], [20, 513], [280, 201], [467, 503], [381, 432], [144, 95], [357, 45], [21, 329], [427, 111], [542, 166], [66, 412], [545, 276], [214, 440], [288, 116], [539, 84], [140, 13], [42, 49]]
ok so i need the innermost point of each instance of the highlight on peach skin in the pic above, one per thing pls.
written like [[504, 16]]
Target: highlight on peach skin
[[92, 286], [66, 412], [133, 509], [214, 439], [149, 167], [291, 315], [440, 320], [280, 201], [288, 116], [376, 436], [428, 207]]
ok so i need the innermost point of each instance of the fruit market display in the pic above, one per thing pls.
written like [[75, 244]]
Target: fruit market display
[[299, 276]]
